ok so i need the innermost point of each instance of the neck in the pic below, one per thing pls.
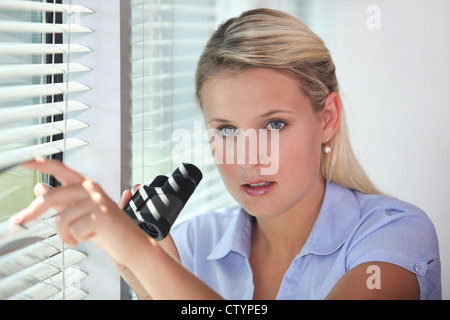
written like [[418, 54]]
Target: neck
[[283, 235]]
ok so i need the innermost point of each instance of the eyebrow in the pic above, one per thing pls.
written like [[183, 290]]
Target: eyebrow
[[270, 113], [265, 115], [218, 120]]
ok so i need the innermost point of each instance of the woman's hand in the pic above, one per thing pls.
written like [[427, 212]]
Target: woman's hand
[[85, 212], [167, 244]]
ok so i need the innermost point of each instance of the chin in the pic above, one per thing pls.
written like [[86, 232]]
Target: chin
[[260, 209]]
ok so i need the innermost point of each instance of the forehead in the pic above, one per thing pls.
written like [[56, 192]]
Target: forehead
[[254, 91]]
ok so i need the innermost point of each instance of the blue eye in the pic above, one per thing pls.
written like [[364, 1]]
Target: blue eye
[[275, 125], [227, 131]]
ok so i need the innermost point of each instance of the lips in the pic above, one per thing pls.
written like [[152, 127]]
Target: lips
[[258, 188]]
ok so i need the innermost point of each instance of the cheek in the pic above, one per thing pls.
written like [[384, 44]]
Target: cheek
[[229, 176], [300, 153], [222, 150]]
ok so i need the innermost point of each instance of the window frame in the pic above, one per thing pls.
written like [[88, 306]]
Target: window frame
[[108, 133]]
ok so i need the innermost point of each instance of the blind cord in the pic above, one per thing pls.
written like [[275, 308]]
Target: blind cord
[[66, 106]]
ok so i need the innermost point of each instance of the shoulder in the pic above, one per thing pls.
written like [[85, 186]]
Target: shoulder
[[383, 231], [396, 232], [391, 219], [375, 220]]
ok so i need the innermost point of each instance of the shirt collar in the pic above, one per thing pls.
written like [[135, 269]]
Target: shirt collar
[[236, 237], [338, 215]]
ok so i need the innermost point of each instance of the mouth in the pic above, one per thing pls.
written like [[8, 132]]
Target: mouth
[[258, 188]]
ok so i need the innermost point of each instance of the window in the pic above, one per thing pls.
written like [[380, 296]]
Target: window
[[37, 98], [167, 127]]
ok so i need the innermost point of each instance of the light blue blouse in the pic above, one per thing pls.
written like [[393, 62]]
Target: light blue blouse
[[351, 228]]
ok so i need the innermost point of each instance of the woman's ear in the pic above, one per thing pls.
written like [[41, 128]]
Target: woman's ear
[[331, 116]]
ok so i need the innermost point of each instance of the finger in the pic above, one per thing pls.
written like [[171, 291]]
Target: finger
[[101, 225], [136, 188], [59, 198], [81, 222], [67, 217], [41, 188], [55, 168], [126, 196], [83, 229]]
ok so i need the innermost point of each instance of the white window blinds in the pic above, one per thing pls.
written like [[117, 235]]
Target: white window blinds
[[37, 98], [167, 125], [29, 86]]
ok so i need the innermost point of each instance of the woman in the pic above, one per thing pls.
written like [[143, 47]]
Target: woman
[[316, 228]]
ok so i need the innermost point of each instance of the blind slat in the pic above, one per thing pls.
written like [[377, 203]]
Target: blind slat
[[36, 48], [53, 287], [171, 25], [71, 257], [20, 134], [41, 90], [15, 237], [163, 93], [184, 41], [160, 7], [21, 5], [25, 279], [30, 70], [139, 60], [147, 112], [11, 158], [13, 114], [71, 293], [26, 257], [159, 77], [32, 27], [37, 273], [169, 126]]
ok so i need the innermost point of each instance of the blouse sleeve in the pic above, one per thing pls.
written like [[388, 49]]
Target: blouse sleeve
[[403, 236]]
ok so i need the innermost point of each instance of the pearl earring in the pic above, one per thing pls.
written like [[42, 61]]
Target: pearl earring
[[327, 148]]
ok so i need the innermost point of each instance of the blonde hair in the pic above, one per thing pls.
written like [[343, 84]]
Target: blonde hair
[[264, 38]]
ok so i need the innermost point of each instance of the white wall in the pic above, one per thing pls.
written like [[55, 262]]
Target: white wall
[[395, 83]]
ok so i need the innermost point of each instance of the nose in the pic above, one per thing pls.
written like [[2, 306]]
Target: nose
[[253, 152], [248, 166], [247, 150]]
